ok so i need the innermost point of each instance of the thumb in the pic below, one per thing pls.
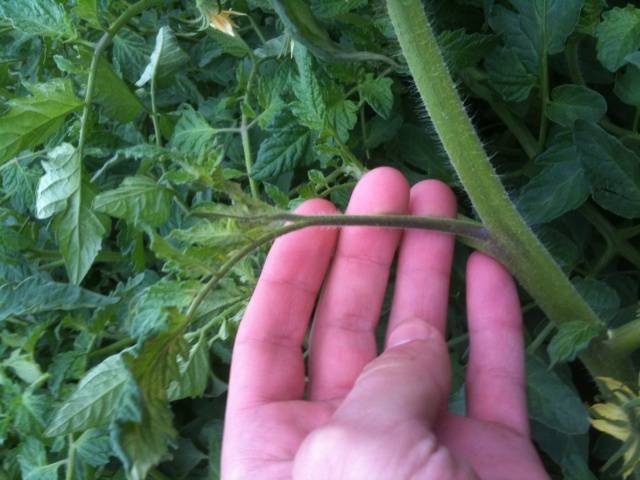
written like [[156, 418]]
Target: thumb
[[409, 380]]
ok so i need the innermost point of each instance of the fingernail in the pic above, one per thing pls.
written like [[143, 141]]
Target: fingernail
[[410, 330]]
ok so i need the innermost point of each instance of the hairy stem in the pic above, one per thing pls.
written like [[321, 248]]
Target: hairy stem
[[473, 234], [517, 128], [524, 255], [461, 227], [101, 46]]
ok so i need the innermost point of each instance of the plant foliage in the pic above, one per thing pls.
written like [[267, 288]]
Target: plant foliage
[[112, 212]]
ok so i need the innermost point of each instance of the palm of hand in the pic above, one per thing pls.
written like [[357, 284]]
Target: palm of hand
[[494, 451], [387, 422]]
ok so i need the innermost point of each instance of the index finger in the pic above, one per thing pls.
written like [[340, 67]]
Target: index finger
[[267, 363]]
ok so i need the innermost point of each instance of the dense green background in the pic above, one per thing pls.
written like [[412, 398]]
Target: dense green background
[[104, 244]]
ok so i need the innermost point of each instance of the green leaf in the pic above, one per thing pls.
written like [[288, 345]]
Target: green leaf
[[633, 59], [509, 76], [96, 399], [603, 299], [138, 200], [612, 169], [617, 36], [38, 294], [47, 472], [111, 92], [575, 102], [413, 144], [590, 16], [177, 261], [23, 367], [194, 373], [462, 50], [20, 183], [94, 447], [310, 107], [88, 10], [32, 454], [627, 86], [38, 17], [166, 60], [186, 460], [342, 116], [114, 95], [536, 28], [79, 232], [63, 191], [33, 120], [63, 175], [571, 339], [561, 247], [231, 45], [558, 189], [576, 468], [193, 133], [333, 8], [559, 446], [143, 444], [150, 312], [279, 198], [32, 411], [130, 54], [288, 146], [552, 402], [377, 93]]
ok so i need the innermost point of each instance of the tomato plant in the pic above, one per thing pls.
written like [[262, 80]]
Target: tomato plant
[[149, 152]]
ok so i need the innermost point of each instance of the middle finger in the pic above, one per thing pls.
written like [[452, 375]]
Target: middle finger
[[343, 334]]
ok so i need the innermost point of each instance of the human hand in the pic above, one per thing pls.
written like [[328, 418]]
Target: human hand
[[364, 416]]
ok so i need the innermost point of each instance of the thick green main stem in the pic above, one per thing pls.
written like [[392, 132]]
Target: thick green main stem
[[522, 252]]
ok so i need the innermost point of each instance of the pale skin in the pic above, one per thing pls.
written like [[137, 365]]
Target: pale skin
[[360, 415]]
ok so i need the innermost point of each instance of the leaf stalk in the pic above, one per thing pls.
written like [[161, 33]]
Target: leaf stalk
[[473, 234], [71, 459], [101, 46], [244, 131]]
